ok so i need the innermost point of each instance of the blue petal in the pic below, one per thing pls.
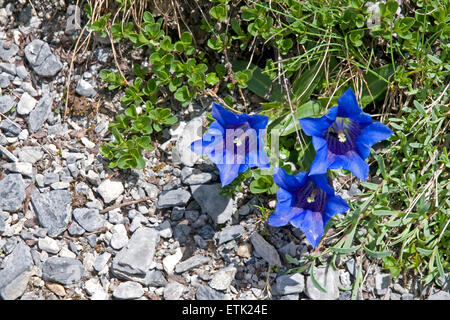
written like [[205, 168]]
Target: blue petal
[[332, 113], [215, 133], [336, 205], [311, 224], [258, 121], [315, 126], [287, 181], [243, 167], [372, 134], [284, 211], [348, 105], [228, 172], [319, 143], [322, 161], [260, 155], [353, 162], [322, 181], [224, 116]]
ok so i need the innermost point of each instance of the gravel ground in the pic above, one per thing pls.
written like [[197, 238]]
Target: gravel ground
[[65, 229]]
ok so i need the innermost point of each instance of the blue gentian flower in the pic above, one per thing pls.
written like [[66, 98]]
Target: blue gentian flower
[[305, 201], [234, 143], [343, 137]]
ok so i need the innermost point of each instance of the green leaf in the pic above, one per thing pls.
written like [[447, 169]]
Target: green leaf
[[315, 282], [186, 38], [376, 84], [260, 84], [305, 83], [345, 250], [377, 254], [308, 109], [219, 12], [211, 78]]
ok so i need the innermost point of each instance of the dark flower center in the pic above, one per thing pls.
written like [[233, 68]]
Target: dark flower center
[[310, 197], [342, 134]]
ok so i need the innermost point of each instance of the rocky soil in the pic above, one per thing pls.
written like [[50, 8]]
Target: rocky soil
[[71, 228]]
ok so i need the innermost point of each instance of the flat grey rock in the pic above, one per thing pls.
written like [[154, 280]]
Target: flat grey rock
[[229, 233], [182, 152], [84, 88], [12, 192], [41, 58], [9, 128], [135, 259], [4, 80], [194, 176], [73, 21], [328, 279], [265, 250], [22, 72], [7, 103], [208, 293], [154, 278], [14, 272], [173, 291], [75, 229], [128, 290], [222, 279], [53, 210], [89, 219], [290, 284], [110, 190], [173, 198], [217, 206], [40, 113], [2, 222], [101, 261], [191, 263], [26, 104], [8, 49], [382, 282], [62, 270], [30, 154], [9, 68]]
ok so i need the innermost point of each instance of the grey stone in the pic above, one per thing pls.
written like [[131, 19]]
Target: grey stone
[[73, 22], [89, 219], [31, 154], [23, 168], [4, 80], [182, 152], [110, 190], [191, 263], [28, 87], [40, 113], [119, 237], [101, 261], [14, 273], [217, 206], [177, 213], [208, 293], [173, 291], [222, 279], [53, 210], [92, 240], [8, 49], [10, 128], [75, 229], [328, 279], [382, 282], [173, 198], [22, 72], [181, 232], [206, 232], [290, 283], [346, 295], [26, 104], [194, 176], [84, 88], [191, 215], [62, 270], [407, 296], [352, 266], [165, 230], [265, 250], [155, 278], [41, 58], [9, 68], [12, 192], [230, 233], [128, 290], [48, 244], [200, 242], [135, 260], [2, 222]]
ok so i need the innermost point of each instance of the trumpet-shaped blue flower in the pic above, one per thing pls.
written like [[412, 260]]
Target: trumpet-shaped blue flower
[[234, 143], [343, 137], [305, 201]]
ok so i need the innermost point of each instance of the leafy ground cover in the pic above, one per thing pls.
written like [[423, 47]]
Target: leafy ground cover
[[291, 59]]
